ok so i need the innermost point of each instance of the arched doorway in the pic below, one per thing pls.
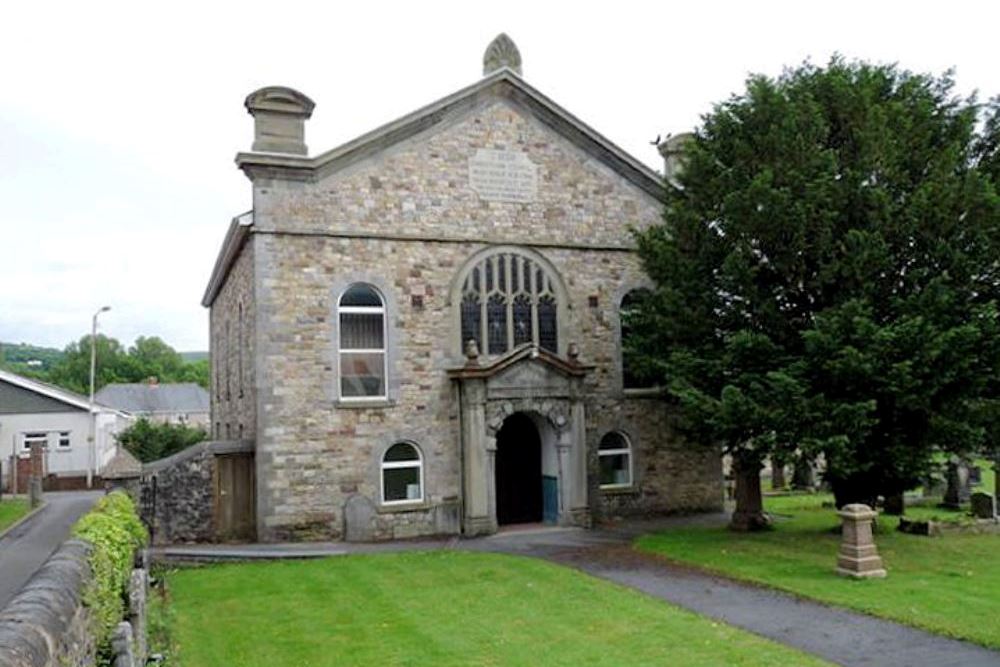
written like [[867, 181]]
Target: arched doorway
[[518, 471]]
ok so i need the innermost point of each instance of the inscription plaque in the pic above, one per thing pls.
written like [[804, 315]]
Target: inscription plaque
[[503, 175]]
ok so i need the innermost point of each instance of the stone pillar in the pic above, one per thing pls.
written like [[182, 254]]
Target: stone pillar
[[858, 556], [138, 588], [35, 480], [121, 644], [579, 501], [478, 452]]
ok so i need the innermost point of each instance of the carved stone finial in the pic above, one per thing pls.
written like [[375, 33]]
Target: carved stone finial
[[502, 52], [472, 352], [672, 149]]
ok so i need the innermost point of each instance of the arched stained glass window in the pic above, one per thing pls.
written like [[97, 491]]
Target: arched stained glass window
[[510, 297]]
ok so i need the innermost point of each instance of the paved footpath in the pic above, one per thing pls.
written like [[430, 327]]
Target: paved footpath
[[838, 635], [24, 549]]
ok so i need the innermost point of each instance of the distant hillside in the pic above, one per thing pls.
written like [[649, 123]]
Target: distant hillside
[[193, 356], [24, 356]]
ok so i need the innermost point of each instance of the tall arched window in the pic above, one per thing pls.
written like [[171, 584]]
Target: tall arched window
[[362, 343], [508, 299], [629, 310], [402, 474], [614, 455]]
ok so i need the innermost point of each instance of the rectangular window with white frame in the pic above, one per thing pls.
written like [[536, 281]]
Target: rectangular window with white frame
[[32, 437], [65, 441]]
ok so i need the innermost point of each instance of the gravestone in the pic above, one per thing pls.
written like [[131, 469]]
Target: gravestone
[[975, 475], [894, 504], [777, 474], [802, 476], [958, 490], [983, 505], [359, 519], [858, 557], [933, 486]]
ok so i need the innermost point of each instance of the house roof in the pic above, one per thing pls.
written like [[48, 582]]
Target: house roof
[[37, 396], [147, 398], [503, 83]]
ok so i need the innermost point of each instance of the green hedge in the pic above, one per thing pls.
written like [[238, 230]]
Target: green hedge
[[115, 531]]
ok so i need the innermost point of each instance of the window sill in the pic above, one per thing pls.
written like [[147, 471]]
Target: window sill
[[355, 404], [401, 508], [630, 490]]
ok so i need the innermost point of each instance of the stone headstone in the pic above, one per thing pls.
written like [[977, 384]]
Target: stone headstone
[[975, 475], [802, 476], [983, 505], [958, 490], [933, 486], [894, 504], [777, 474], [121, 645], [359, 519], [858, 557]]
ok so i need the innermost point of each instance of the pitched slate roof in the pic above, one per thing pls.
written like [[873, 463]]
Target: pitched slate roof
[[146, 398], [21, 395]]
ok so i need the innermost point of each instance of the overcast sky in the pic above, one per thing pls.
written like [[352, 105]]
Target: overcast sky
[[119, 122]]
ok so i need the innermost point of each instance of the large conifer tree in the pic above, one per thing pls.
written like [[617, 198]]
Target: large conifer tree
[[827, 278]]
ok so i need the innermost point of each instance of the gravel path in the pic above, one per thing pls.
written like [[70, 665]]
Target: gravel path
[[25, 548]]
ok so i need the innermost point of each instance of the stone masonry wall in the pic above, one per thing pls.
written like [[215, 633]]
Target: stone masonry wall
[[233, 389], [46, 624], [414, 222], [177, 497]]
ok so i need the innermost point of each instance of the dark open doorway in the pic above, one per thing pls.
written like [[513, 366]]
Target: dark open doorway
[[518, 471]]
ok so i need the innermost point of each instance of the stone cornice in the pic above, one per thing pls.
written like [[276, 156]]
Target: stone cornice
[[474, 370], [238, 230], [504, 83]]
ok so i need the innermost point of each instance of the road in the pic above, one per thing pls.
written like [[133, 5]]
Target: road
[[24, 549]]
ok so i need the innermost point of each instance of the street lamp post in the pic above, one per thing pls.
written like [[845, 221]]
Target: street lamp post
[[92, 453]]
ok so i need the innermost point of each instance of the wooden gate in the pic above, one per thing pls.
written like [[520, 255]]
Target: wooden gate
[[235, 517]]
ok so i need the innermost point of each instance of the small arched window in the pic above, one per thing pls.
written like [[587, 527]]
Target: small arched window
[[630, 309], [402, 474], [509, 299], [362, 343], [614, 455]]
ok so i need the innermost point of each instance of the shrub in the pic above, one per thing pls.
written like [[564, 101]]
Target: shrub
[[115, 531], [149, 441]]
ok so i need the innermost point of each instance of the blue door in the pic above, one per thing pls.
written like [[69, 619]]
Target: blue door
[[550, 499]]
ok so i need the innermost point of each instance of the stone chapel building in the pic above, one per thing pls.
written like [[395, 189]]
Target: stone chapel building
[[418, 332]]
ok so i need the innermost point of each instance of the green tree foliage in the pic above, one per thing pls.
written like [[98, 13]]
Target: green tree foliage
[[148, 357], [827, 275], [149, 441]]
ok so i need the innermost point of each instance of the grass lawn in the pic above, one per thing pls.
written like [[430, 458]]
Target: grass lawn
[[439, 608], [944, 584], [11, 510]]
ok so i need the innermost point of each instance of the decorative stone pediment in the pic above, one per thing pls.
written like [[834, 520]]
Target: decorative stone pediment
[[529, 377]]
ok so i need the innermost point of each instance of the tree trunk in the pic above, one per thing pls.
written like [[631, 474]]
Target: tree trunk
[[778, 480], [749, 514]]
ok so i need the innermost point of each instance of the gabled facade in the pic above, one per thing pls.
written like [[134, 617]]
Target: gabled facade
[[419, 330]]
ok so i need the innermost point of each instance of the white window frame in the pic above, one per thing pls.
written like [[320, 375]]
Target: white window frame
[[396, 465], [384, 350], [627, 451], [66, 436], [27, 437]]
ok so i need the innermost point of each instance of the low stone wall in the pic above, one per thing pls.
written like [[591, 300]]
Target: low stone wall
[[177, 494], [46, 624]]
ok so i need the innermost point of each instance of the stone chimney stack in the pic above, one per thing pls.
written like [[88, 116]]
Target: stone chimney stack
[[279, 116], [672, 150]]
